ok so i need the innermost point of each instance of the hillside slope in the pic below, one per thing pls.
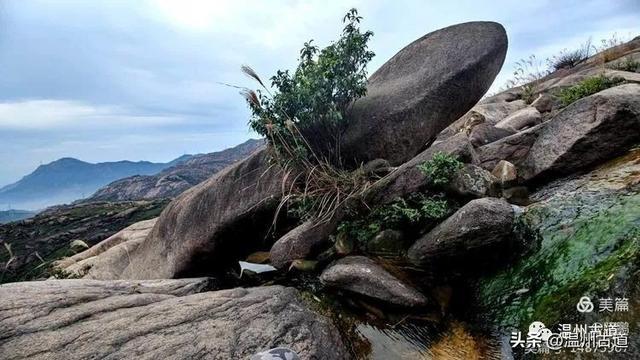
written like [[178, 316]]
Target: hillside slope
[[69, 179], [174, 180]]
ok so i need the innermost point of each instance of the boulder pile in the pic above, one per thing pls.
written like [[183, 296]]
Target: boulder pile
[[421, 108]]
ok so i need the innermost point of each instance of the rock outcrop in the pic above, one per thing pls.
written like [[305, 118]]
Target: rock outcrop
[[479, 226], [483, 134], [588, 131], [108, 259], [82, 319], [408, 178], [363, 276], [200, 229], [410, 99], [473, 181]]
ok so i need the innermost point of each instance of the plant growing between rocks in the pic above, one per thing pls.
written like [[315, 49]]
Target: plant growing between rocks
[[587, 87], [628, 64], [304, 116], [441, 168], [410, 214], [569, 59]]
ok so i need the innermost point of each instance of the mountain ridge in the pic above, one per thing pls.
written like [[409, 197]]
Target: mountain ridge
[[173, 180], [69, 179]]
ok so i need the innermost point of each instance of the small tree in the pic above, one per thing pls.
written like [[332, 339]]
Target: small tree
[[305, 115]]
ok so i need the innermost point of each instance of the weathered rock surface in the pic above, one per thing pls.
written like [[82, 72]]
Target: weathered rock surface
[[513, 148], [81, 319], [505, 172], [201, 227], [363, 276], [524, 118], [588, 131], [301, 242], [588, 226], [472, 180], [482, 224], [484, 134], [545, 103], [410, 99], [107, 259], [489, 111], [387, 243]]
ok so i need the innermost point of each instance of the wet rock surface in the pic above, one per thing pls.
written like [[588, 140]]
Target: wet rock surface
[[363, 276]]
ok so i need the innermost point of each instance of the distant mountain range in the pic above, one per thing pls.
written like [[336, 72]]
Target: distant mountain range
[[68, 179], [174, 180]]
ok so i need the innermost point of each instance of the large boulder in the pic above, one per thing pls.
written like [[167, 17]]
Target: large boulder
[[588, 131], [473, 181], [422, 89], [90, 319], [222, 218], [479, 227], [363, 276]]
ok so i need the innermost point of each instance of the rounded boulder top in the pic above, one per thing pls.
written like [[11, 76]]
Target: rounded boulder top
[[422, 89]]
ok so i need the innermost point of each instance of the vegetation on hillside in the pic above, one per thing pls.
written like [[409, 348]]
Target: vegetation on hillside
[[586, 87], [529, 72]]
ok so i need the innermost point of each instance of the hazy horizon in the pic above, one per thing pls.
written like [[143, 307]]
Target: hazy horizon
[[108, 81]]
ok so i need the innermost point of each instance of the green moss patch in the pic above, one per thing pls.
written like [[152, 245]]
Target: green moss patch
[[588, 242]]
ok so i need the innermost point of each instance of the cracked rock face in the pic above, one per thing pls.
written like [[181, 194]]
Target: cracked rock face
[[157, 319]]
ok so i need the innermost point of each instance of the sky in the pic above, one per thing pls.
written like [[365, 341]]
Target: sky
[[143, 80]]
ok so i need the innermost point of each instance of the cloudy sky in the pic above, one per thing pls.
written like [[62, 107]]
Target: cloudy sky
[[140, 80]]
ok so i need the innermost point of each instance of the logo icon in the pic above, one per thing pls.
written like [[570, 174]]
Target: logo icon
[[585, 305]]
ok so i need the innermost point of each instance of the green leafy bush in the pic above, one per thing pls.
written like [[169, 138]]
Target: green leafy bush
[[587, 87], [441, 168], [306, 111], [404, 213]]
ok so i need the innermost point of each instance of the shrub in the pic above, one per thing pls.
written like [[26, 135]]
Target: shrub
[[304, 115], [569, 59], [628, 64], [440, 168], [314, 99], [587, 87], [404, 213]]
